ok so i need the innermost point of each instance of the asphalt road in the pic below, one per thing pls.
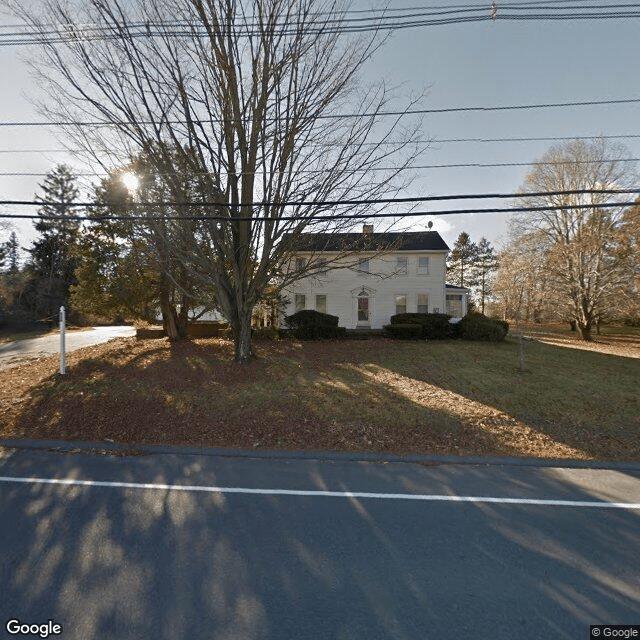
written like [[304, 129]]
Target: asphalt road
[[198, 546], [20, 351]]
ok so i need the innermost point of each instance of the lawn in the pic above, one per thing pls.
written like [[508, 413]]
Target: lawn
[[436, 397]]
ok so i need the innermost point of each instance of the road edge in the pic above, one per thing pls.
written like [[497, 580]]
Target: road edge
[[120, 449]]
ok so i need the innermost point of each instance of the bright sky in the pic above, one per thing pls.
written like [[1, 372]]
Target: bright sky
[[480, 64]]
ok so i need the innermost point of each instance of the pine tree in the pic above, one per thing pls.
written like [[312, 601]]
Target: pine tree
[[461, 258], [484, 264], [53, 259], [12, 250], [51, 254]]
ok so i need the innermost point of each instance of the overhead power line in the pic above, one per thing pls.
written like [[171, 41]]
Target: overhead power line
[[329, 218], [453, 165], [347, 22], [340, 202], [333, 116]]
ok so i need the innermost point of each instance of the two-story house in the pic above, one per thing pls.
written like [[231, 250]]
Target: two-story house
[[389, 273]]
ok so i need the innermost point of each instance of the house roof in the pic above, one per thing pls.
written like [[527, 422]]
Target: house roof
[[456, 288], [397, 241]]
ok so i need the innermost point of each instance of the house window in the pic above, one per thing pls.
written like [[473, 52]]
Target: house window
[[300, 301], [321, 304], [423, 303], [401, 265], [401, 303], [363, 265], [454, 305], [423, 266], [300, 264]]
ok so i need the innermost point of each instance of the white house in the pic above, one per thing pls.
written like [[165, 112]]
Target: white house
[[390, 273]]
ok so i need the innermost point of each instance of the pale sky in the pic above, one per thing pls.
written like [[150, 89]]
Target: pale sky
[[481, 64]]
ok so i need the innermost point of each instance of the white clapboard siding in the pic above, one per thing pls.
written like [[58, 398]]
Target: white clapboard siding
[[381, 285]]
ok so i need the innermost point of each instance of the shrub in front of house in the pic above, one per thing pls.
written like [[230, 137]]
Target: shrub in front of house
[[475, 326], [406, 331], [434, 326], [313, 325]]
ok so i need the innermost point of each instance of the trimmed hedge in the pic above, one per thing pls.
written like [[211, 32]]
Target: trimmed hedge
[[407, 331], [475, 326], [434, 326], [313, 325], [309, 316]]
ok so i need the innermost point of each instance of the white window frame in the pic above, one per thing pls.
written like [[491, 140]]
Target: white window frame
[[423, 270], [301, 263], [426, 295], [363, 265], [321, 295], [402, 270], [450, 298], [296, 298], [395, 298]]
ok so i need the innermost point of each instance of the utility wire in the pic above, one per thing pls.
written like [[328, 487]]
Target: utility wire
[[512, 107], [342, 23], [341, 202], [330, 218], [472, 165]]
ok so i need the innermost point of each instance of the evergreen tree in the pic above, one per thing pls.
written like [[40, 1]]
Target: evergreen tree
[[461, 258], [484, 264], [128, 262], [12, 252], [53, 255]]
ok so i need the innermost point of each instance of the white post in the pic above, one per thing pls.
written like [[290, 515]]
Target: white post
[[63, 364]]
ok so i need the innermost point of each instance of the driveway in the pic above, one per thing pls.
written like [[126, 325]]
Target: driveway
[[20, 351]]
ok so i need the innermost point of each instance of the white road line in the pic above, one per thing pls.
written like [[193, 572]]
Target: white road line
[[328, 494]]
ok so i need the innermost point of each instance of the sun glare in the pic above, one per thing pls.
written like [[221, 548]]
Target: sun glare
[[130, 180]]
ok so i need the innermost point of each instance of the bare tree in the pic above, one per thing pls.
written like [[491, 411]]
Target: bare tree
[[264, 97], [624, 300], [580, 228], [522, 285]]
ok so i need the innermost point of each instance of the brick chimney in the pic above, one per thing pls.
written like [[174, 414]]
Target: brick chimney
[[367, 229]]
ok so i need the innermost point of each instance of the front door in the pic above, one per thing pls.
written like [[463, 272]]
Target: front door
[[363, 310]]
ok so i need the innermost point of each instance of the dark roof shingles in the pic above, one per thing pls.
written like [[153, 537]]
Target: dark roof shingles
[[397, 241]]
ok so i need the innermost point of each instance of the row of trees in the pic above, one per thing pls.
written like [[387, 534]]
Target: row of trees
[[244, 125], [109, 266], [576, 255]]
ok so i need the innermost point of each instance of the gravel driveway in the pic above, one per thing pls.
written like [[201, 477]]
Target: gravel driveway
[[20, 351]]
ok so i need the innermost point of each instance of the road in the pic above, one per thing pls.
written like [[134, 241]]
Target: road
[[181, 546], [20, 351]]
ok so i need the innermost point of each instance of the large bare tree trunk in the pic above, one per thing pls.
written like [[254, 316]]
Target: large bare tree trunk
[[241, 328], [169, 315]]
